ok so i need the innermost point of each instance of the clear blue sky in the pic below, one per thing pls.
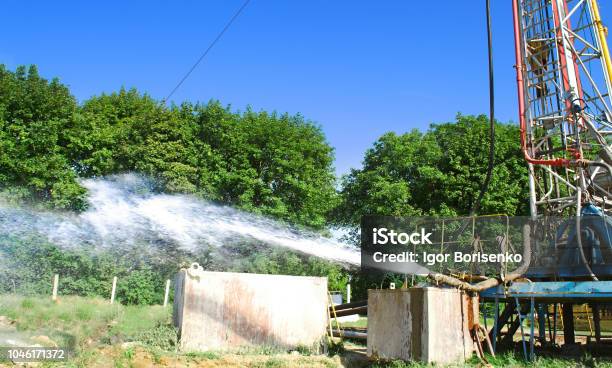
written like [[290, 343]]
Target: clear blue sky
[[358, 68]]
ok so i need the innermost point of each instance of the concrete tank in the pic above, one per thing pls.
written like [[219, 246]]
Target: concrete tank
[[224, 310], [428, 324]]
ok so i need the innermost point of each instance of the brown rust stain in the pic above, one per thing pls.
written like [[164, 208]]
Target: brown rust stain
[[472, 310], [246, 322]]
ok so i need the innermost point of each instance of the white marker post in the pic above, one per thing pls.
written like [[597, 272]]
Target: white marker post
[[167, 293], [348, 293], [113, 290], [55, 286]]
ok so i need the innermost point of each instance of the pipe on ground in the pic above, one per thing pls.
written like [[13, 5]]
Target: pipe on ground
[[351, 334], [351, 311], [339, 307]]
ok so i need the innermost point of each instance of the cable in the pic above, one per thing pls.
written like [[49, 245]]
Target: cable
[[579, 234], [212, 44], [487, 181]]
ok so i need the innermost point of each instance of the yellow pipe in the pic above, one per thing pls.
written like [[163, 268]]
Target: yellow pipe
[[602, 31]]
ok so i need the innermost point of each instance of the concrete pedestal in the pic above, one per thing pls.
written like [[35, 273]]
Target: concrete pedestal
[[430, 325], [223, 311]]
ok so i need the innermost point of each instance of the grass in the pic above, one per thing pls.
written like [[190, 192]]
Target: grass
[[208, 355], [509, 360], [85, 324], [105, 335], [68, 323], [362, 322]]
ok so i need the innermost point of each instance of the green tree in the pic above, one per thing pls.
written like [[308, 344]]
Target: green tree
[[279, 261], [275, 164], [437, 173], [278, 165], [138, 287], [35, 116]]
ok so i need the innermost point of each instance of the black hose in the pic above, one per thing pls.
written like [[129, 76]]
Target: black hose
[[487, 181], [579, 233]]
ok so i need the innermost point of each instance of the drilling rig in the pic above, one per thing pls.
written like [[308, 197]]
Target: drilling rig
[[563, 70]]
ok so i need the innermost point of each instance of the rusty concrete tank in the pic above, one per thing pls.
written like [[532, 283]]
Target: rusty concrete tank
[[428, 324], [225, 310]]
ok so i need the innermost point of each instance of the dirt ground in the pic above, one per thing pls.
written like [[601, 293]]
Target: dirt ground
[[141, 358]]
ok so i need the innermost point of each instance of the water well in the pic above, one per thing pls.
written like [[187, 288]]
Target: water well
[[225, 310]]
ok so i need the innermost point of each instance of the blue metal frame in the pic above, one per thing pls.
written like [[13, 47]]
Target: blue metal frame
[[548, 290], [541, 293]]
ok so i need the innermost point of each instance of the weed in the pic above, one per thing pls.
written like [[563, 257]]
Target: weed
[[163, 337], [304, 350], [84, 312], [27, 303], [156, 355], [274, 363], [259, 350], [65, 317], [208, 355], [129, 354], [334, 347], [132, 320]]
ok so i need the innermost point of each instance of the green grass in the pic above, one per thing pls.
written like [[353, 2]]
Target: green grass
[[76, 323], [133, 320], [508, 360], [68, 322], [96, 330], [207, 355], [361, 323]]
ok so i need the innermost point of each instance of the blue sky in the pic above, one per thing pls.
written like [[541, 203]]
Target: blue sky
[[358, 68]]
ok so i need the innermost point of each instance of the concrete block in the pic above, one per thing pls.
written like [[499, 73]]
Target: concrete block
[[430, 325], [224, 310]]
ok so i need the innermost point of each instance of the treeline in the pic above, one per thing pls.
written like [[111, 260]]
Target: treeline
[[279, 165], [437, 173], [276, 164]]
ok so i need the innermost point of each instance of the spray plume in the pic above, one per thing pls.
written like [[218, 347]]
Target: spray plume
[[124, 211]]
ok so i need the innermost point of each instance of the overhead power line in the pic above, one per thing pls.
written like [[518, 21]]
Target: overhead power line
[[205, 53]]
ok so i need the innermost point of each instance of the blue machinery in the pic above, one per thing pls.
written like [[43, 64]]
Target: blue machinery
[[524, 299], [561, 261]]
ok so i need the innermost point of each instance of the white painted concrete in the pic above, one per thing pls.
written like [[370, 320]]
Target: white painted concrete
[[223, 310], [430, 325]]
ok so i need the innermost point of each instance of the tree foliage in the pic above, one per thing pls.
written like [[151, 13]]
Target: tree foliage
[[437, 173], [275, 164], [28, 264], [35, 118]]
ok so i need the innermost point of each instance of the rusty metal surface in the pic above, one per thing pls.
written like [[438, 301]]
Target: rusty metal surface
[[473, 311]]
